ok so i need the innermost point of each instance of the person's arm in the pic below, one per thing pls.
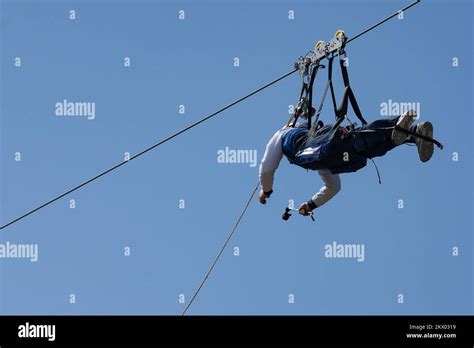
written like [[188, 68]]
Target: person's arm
[[270, 162], [332, 185]]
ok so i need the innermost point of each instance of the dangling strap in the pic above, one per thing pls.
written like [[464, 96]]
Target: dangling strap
[[421, 136], [377, 169]]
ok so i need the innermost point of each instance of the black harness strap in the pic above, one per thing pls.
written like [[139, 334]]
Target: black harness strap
[[345, 74], [295, 116], [306, 99], [348, 94], [316, 124], [329, 86], [333, 95], [306, 96], [314, 72]]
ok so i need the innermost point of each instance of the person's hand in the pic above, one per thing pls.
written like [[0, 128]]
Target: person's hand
[[263, 197], [304, 209]]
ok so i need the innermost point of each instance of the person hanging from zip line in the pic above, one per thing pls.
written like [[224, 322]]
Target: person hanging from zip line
[[335, 150]]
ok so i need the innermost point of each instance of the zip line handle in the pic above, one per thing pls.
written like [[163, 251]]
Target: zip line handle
[[286, 214]]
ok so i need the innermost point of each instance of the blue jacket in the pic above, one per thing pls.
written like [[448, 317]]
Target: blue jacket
[[325, 150]]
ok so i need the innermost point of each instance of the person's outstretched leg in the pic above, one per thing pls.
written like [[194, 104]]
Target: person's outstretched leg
[[377, 138], [425, 147]]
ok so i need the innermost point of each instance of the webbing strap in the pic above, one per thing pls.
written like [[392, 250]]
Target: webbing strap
[[314, 127], [421, 136], [295, 116], [306, 95], [314, 72], [348, 95], [345, 74], [333, 95], [337, 124]]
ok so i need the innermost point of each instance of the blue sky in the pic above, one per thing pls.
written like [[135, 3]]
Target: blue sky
[[190, 62]]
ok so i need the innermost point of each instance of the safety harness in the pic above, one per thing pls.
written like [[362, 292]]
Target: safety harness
[[308, 67]]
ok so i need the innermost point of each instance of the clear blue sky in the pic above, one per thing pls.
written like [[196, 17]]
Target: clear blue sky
[[407, 251]]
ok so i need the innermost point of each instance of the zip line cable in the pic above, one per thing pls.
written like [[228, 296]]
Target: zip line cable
[[215, 113], [383, 21], [222, 249]]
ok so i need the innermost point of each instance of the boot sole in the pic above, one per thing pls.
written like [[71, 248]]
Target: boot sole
[[425, 148]]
